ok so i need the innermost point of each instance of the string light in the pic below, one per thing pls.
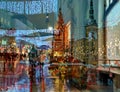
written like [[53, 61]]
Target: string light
[[30, 7]]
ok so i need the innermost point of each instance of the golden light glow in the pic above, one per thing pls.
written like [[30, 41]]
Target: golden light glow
[[57, 53]]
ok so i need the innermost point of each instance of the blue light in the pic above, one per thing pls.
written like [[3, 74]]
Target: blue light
[[30, 7]]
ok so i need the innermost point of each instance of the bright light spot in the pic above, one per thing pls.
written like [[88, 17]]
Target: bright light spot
[[50, 28]]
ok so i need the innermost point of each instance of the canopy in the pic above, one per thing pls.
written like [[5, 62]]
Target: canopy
[[45, 47]]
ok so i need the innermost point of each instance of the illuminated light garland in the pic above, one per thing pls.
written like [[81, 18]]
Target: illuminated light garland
[[24, 35], [80, 50], [23, 32], [30, 7], [80, 54]]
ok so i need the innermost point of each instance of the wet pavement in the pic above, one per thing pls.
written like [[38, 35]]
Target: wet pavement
[[50, 83], [55, 87]]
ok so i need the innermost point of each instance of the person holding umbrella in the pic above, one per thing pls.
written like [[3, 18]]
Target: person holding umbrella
[[33, 54]]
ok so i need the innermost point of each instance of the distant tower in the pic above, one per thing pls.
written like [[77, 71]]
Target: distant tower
[[91, 20], [92, 38]]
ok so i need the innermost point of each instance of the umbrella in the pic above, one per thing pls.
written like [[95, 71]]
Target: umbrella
[[44, 47]]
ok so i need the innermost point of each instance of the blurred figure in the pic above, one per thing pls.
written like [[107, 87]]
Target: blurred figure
[[33, 54]]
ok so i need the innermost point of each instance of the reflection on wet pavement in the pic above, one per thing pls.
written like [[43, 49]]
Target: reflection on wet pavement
[[55, 85], [48, 83]]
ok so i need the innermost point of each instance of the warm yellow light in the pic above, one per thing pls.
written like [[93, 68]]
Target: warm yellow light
[[50, 28], [57, 54]]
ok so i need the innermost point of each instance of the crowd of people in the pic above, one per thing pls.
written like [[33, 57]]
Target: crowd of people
[[27, 64], [30, 65]]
